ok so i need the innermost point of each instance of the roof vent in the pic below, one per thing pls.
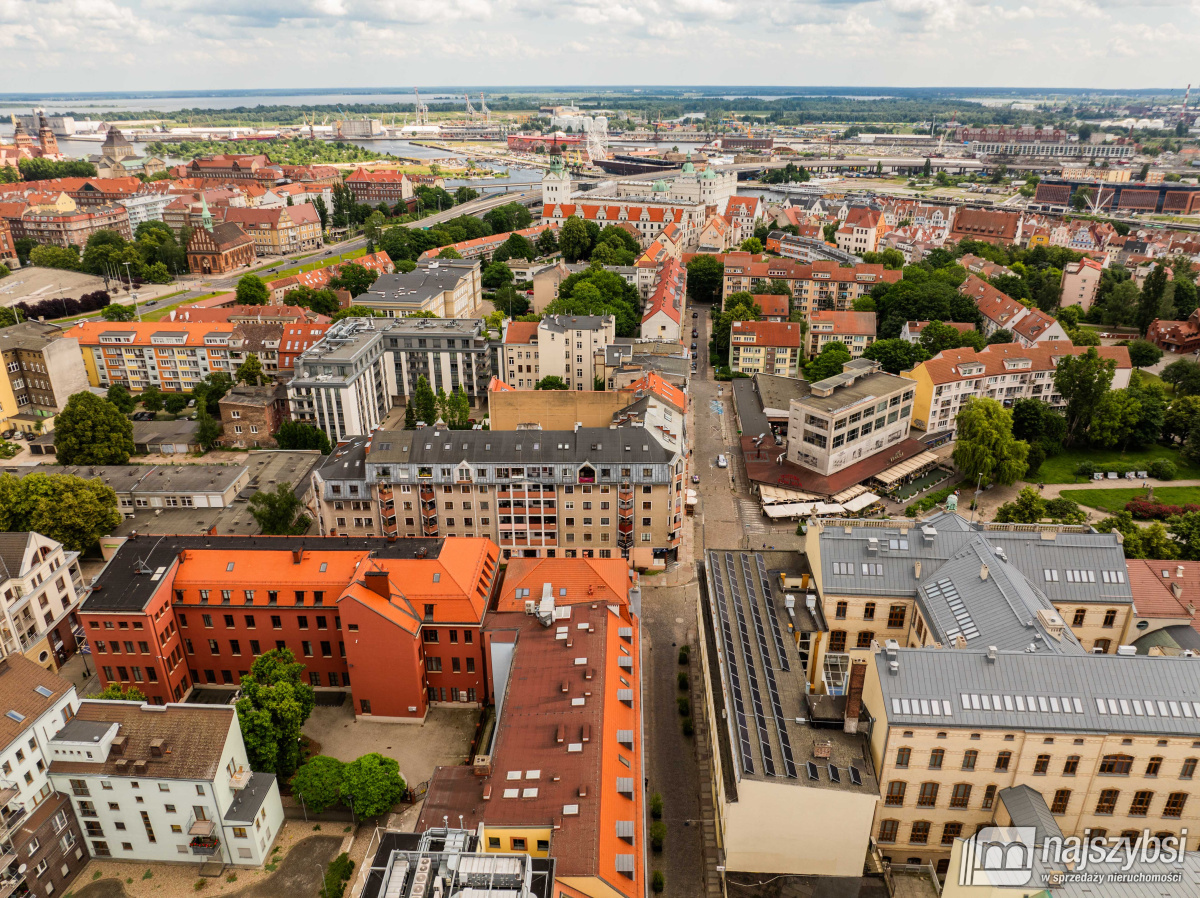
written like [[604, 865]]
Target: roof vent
[[991, 654]]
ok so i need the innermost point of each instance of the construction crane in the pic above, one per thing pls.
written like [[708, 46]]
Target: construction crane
[[470, 108], [483, 109], [422, 116]]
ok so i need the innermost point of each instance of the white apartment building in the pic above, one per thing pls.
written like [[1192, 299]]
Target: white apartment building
[[1005, 372], [567, 346], [41, 584], [165, 783], [146, 207]]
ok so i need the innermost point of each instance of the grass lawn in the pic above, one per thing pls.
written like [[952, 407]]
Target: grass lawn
[[324, 263], [1113, 501], [159, 312], [1061, 468]]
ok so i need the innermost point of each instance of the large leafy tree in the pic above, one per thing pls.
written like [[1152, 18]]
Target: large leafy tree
[[897, 355], [250, 371], [1184, 375], [71, 510], [323, 301], [1114, 419], [208, 429], [120, 396], [252, 290], [1185, 529], [319, 783], [986, 448], [550, 382], [278, 511], [1082, 380], [354, 278], [573, 240], [209, 391], [372, 784], [1151, 299], [739, 306], [705, 280], [1143, 353], [496, 275], [828, 362], [424, 401], [1028, 508], [298, 435], [275, 703], [91, 430]]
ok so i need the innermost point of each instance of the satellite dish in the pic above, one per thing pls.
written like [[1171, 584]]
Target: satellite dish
[[21, 869]]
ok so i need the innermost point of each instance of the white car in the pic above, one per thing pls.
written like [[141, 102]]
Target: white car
[[722, 461]]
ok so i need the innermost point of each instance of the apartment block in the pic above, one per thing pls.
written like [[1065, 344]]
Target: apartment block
[[172, 356], [165, 783], [449, 288], [662, 318], [41, 584], [861, 231], [582, 493], [519, 363], [1029, 326], [1005, 372], [766, 347], [567, 346], [824, 285], [562, 777], [278, 231], [845, 419], [1105, 740], [42, 842], [375, 187], [71, 228], [1080, 282], [855, 330], [42, 368]]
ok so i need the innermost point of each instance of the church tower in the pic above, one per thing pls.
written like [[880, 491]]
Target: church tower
[[21, 137], [46, 137], [556, 183]]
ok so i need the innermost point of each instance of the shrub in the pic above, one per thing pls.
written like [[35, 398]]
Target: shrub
[[927, 503], [658, 882], [685, 652], [685, 707], [1085, 469], [1162, 469], [656, 806], [658, 835], [683, 680], [200, 884], [1147, 510], [688, 727], [337, 875]]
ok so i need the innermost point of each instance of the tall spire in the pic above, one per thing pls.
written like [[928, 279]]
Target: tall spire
[[205, 215]]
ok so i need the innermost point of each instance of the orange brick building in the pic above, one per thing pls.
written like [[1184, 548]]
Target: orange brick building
[[395, 623]]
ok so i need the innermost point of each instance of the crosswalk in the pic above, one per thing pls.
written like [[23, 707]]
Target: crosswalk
[[750, 514]]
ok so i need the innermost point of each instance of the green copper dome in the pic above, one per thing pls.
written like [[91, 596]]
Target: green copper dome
[[709, 174], [660, 186], [688, 168]]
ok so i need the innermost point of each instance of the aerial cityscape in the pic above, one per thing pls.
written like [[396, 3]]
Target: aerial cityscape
[[348, 434]]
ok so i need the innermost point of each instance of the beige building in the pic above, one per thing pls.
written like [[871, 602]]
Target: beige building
[[586, 492], [41, 586], [519, 354], [1111, 743], [567, 346], [42, 368], [1080, 282], [447, 288], [766, 347], [855, 330]]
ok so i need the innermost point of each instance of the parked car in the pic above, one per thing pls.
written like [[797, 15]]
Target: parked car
[[722, 461], [18, 435], [695, 333], [152, 302], [695, 314], [695, 478]]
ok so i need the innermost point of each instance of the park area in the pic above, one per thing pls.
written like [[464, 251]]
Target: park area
[[1114, 500], [1061, 468]]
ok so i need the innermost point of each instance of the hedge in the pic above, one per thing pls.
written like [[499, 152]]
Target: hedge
[[1146, 510], [928, 502]]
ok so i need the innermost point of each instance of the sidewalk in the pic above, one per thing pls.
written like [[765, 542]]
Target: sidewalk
[[73, 670]]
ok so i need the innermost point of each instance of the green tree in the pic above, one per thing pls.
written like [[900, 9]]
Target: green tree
[[250, 371], [1114, 419], [1002, 335], [738, 307], [496, 275], [936, 336], [322, 212], [551, 382], [927, 168], [278, 511], [115, 312], [547, 242], [1184, 375], [424, 401], [118, 395], [465, 195], [705, 278], [832, 358], [175, 403], [49, 256], [1082, 380], [1182, 418], [573, 239], [252, 290], [410, 418], [354, 278], [1036, 422], [208, 429], [114, 692], [864, 303], [896, 355], [1185, 529], [517, 246], [985, 444], [449, 253], [298, 435], [1028, 508], [752, 245], [323, 301], [92, 431], [208, 392], [275, 703], [152, 399], [372, 784], [71, 510], [829, 232], [319, 783], [1143, 353], [356, 312], [1151, 297]]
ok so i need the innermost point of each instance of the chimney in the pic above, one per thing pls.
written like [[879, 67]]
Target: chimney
[[960, 641], [858, 676], [991, 654], [983, 572], [118, 745], [377, 582], [1177, 591], [297, 556], [1179, 570], [156, 747], [917, 570]]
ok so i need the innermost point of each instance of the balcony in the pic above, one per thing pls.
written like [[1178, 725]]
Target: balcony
[[429, 528], [10, 881], [206, 846], [8, 791], [11, 822], [240, 779], [202, 827]]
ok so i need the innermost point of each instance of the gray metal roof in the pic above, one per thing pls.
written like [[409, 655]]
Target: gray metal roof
[[1017, 690], [1027, 807], [600, 445], [937, 539], [563, 323], [1000, 610]]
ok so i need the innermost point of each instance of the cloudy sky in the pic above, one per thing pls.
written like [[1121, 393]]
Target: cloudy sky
[[69, 45]]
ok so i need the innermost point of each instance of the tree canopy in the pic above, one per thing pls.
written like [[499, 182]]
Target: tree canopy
[[278, 511], [69, 509], [986, 447], [252, 290], [372, 784], [92, 431], [275, 703], [298, 435]]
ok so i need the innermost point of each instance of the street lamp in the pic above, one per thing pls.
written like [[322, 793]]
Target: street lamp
[[135, 301], [978, 493], [322, 870]]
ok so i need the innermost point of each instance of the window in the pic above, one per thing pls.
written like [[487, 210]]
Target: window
[[888, 830], [970, 756], [1153, 766], [843, 567], [895, 793], [927, 797], [936, 757], [989, 798], [517, 844], [1062, 798], [950, 832], [1110, 618], [870, 569], [902, 756], [1108, 801], [1002, 760], [920, 832], [865, 638], [896, 615], [1071, 765], [869, 611], [840, 612], [1115, 765], [1175, 803], [1188, 770], [1080, 615], [961, 796], [837, 641], [1140, 806], [1101, 646], [1041, 765]]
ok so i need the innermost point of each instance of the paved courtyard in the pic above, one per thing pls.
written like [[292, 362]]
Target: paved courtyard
[[443, 739]]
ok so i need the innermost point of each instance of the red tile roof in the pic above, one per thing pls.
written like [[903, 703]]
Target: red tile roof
[[652, 382], [945, 366], [994, 305], [772, 305], [521, 332], [770, 333], [1152, 592], [845, 322]]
